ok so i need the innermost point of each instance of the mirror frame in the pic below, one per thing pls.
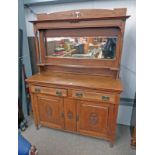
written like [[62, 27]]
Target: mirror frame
[[98, 19], [77, 61]]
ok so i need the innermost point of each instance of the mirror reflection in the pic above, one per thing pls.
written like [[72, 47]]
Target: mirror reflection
[[81, 47]]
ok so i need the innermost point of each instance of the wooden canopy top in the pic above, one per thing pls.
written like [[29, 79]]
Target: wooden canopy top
[[83, 14], [77, 80]]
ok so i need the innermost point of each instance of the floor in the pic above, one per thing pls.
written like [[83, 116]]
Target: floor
[[54, 142]]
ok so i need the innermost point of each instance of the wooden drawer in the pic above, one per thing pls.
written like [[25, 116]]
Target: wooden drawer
[[50, 91], [79, 94]]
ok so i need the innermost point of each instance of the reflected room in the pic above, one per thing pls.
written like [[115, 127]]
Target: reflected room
[[81, 47]]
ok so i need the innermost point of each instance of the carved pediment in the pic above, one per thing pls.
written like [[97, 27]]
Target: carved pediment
[[84, 14]]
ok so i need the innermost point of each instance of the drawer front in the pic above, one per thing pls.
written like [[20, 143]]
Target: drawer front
[[49, 91], [93, 96]]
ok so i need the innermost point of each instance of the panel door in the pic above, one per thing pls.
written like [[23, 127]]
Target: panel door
[[92, 118], [70, 114], [50, 110]]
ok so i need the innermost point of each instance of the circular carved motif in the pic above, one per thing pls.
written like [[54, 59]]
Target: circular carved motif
[[48, 111], [93, 118], [70, 115]]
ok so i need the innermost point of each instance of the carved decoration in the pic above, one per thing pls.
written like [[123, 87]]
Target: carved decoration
[[70, 115], [48, 111], [84, 14], [93, 118]]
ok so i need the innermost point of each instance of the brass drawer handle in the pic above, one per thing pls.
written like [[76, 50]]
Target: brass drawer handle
[[58, 93], [79, 94], [37, 90], [105, 98]]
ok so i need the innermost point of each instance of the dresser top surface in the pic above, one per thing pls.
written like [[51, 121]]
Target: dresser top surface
[[77, 80]]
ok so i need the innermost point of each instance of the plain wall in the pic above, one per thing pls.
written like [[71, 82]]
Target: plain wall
[[128, 62], [26, 54]]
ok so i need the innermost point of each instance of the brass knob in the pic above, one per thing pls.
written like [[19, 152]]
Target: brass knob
[[77, 14], [37, 90], [79, 94], [58, 93], [105, 98]]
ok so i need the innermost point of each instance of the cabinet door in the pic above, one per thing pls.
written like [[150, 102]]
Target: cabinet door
[[70, 114], [50, 110], [92, 118]]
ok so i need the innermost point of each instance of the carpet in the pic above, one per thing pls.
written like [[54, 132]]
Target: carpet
[[55, 142]]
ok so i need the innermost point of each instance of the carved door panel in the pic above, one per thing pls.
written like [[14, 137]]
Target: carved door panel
[[70, 114], [50, 110], [92, 118]]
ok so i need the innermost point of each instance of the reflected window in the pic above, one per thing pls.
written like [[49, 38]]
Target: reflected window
[[81, 47]]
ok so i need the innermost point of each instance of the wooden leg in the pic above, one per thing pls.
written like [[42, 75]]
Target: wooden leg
[[37, 126], [111, 144], [112, 140], [133, 140], [133, 147], [133, 143]]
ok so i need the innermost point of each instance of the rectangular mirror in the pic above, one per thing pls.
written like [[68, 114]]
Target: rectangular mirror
[[81, 47]]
